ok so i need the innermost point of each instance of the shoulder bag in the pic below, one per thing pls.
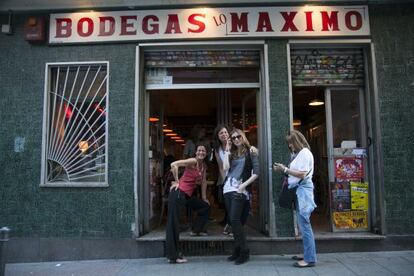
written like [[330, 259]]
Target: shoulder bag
[[287, 197]]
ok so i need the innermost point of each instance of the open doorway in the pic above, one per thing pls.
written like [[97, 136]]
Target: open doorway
[[174, 114], [329, 107], [333, 121], [311, 121]]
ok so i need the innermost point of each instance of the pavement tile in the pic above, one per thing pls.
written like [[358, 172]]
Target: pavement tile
[[364, 266], [336, 264], [72, 268]]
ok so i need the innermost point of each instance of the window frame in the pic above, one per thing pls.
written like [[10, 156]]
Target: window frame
[[46, 118]]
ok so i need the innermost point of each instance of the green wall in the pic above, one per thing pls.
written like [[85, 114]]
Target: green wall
[[279, 114], [62, 212], [108, 212], [392, 29]]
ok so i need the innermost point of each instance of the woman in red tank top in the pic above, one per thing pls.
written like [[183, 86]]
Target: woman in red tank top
[[182, 194]]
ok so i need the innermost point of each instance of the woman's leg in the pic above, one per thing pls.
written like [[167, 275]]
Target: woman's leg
[[245, 213], [238, 205], [203, 210], [309, 248], [175, 200]]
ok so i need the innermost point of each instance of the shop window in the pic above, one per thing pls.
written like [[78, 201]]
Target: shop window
[[75, 134]]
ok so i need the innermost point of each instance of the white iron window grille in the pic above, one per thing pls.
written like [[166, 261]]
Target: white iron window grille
[[75, 127]]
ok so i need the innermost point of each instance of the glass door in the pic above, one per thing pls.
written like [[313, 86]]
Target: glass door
[[347, 159]]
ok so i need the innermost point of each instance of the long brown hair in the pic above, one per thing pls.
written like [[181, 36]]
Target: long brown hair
[[297, 139], [235, 151]]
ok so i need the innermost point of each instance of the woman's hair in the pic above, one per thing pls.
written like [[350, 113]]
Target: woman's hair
[[297, 139], [216, 140], [235, 151]]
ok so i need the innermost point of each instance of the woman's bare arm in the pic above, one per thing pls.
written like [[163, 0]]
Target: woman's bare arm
[[181, 163]]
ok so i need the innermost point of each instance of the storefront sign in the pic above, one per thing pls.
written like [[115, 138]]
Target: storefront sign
[[306, 21]]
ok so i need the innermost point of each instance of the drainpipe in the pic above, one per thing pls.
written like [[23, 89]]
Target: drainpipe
[[4, 237]]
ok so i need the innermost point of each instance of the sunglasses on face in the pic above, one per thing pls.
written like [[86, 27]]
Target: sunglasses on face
[[236, 137]]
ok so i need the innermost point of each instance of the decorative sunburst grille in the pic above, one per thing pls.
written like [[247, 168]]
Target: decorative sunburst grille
[[77, 119]]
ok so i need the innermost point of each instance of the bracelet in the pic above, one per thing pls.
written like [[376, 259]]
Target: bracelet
[[285, 170]]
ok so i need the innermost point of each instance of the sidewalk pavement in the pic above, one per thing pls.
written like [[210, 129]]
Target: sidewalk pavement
[[338, 264]]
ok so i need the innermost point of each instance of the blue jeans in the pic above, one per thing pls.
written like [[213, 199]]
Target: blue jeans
[[309, 248]]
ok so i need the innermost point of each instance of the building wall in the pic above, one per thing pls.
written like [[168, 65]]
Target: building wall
[[392, 29], [279, 114], [32, 211], [62, 212]]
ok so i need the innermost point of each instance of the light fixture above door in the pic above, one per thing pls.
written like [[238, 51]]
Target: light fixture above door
[[316, 101]]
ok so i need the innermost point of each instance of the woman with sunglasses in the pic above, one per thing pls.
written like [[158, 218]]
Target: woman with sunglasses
[[182, 194], [242, 166]]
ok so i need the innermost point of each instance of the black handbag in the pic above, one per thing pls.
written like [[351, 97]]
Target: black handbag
[[287, 196]]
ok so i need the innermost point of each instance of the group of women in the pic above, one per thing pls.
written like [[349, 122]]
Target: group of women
[[238, 168]]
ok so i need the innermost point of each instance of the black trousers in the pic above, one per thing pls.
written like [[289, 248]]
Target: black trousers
[[238, 208], [176, 200]]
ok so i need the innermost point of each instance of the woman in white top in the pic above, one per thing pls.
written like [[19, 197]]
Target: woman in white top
[[299, 174], [221, 144]]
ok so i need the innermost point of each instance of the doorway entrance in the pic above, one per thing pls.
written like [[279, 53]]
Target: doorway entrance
[[186, 89], [176, 116], [333, 120], [329, 102]]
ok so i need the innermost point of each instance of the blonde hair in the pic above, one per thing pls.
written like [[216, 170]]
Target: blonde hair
[[235, 151], [297, 139]]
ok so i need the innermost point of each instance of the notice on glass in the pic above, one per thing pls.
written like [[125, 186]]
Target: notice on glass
[[359, 195], [349, 168], [340, 196], [350, 219]]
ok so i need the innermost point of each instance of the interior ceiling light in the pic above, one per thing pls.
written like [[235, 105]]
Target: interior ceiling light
[[171, 134], [175, 138], [153, 119], [316, 101], [297, 122], [167, 130], [180, 140]]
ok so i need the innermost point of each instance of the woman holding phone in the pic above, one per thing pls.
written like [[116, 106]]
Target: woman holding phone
[[299, 172]]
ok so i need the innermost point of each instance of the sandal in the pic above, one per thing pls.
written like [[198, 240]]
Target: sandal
[[302, 264], [227, 230], [297, 258], [180, 259]]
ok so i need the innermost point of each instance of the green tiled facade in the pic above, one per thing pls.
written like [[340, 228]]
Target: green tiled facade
[[32, 211], [279, 102], [392, 31], [62, 212]]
